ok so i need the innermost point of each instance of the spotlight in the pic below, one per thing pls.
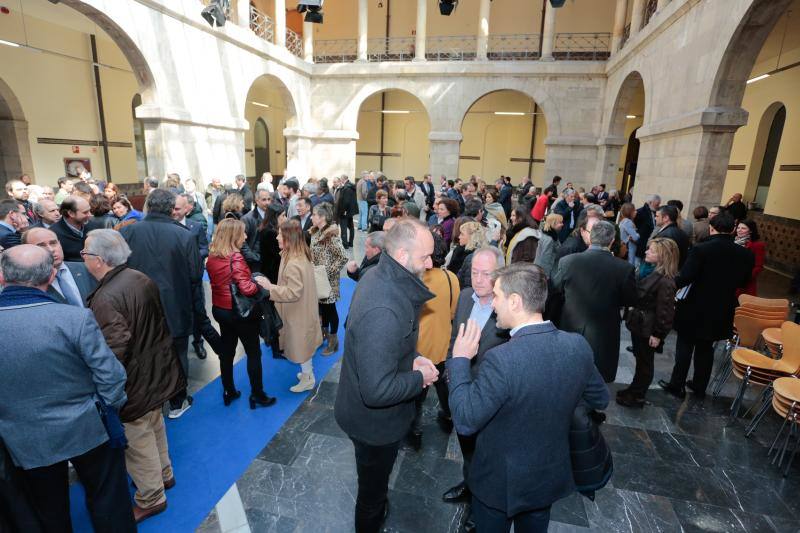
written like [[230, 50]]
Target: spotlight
[[214, 13], [447, 6], [312, 9], [557, 3]]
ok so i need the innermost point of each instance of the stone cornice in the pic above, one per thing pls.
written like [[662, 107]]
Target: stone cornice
[[715, 119], [322, 135], [445, 136], [156, 113]]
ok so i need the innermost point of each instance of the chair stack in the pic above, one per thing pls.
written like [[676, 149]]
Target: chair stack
[[786, 402], [752, 317]]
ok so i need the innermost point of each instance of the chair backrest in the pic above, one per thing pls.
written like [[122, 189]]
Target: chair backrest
[[790, 335], [745, 299], [749, 328], [781, 311], [767, 315]]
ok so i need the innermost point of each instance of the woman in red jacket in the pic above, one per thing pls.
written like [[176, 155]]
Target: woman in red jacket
[[747, 236], [227, 265], [539, 209]]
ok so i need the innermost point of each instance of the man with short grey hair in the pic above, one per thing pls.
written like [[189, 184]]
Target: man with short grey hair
[[48, 213], [73, 283], [595, 285], [373, 246], [53, 384]]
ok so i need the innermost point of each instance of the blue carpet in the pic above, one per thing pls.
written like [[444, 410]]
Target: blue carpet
[[212, 445]]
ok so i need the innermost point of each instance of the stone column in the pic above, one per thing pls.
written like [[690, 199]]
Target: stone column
[[308, 41], [243, 13], [609, 151], [483, 30], [444, 151], [280, 23], [619, 24], [637, 16], [573, 156], [549, 34], [15, 156], [362, 30], [422, 30]]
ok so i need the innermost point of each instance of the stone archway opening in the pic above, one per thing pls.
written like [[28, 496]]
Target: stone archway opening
[[626, 119], [393, 128], [503, 134], [15, 156]]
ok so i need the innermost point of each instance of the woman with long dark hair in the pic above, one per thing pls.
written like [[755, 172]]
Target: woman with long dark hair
[[522, 238]]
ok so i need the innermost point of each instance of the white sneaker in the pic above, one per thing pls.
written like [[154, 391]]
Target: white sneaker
[[176, 413], [307, 382]]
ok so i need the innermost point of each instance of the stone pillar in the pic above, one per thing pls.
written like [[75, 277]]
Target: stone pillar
[[422, 30], [242, 13], [444, 151], [609, 151], [280, 23], [619, 24], [308, 41], [362, 30], [573, 158], [637, 16], [483, 30], [549, 34], [15, 156]]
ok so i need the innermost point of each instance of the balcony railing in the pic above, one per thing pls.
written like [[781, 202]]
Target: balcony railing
[[514, 47], [391, 49], [336, 51], [455, 48], [262, 25], [294, 43], [582, 46]]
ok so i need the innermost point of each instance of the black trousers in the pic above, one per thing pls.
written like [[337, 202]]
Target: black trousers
[[687, 346], [374, 466], [493, 521], [441, 393], [643, 376], [330, 317], [467, 445], [181, 345], [233, 330], [102, 473], [345, 226]]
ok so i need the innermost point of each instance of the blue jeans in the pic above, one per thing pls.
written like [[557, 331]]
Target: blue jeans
[[363, 210]]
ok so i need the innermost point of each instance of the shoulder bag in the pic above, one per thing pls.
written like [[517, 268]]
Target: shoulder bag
[[242, 305], [322, 282]]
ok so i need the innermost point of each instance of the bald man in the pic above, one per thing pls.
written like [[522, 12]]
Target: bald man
[[75, 214], [72, 283]]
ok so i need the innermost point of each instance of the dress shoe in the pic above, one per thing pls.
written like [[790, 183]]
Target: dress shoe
[[228, 397], [199, 350], [414, 439], [699, 394], [629, 400], [168, 484], [261, 399], [140, 514], [672, 389], [623, 392], [469, 526], [459, 493], [445, 422], [629, 349]]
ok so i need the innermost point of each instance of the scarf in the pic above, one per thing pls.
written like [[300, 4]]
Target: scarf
[[15, 295], [645, 269], [742, 241]]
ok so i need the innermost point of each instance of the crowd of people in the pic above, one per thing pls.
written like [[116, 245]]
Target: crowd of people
[[508, 301]]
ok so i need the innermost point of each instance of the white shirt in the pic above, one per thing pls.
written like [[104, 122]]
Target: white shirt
[[526, 324], [65, 274]]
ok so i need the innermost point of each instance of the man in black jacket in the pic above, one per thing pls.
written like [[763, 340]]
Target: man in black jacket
[[381, 372], [345, 209], [373, 247], [244, 190], [666, 221], [75, 213], [645, 222], [714, 269]]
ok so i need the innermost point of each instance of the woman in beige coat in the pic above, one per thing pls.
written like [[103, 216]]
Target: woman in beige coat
[[295, 298]]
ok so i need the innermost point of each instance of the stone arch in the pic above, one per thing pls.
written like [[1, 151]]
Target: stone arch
[[15, 150], [536, 93], [760, 148], [743, 48], [627, 90], [288, 100], [351, 111]]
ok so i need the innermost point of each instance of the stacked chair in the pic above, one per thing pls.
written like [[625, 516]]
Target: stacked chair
[[786, 402]]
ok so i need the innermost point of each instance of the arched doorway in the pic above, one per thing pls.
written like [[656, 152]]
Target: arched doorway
[[393, 128], [503, 134], [270, 109], [138, 138], [261, 147], [626, 119], [15, 155]]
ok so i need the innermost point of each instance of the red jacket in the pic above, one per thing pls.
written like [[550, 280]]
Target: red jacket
[[219, 273], [540, 207], [759, 250]]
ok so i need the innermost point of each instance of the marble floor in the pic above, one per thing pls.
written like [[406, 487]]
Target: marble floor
[[678, 466]]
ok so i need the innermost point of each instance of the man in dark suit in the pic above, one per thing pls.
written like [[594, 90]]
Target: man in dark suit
[[244, 190], [475, 303], [521, 405], [645, 222], [252, 221], [666, 221], [595, 285], [169, 255], [504, 191], [12, 217], [304, 216], [346, 207], [714, 269], [75, 214], [73, 283], [429, 189], [373, 247]]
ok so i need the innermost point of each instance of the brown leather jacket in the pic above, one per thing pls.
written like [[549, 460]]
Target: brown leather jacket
[[654, 310], [127, 306]]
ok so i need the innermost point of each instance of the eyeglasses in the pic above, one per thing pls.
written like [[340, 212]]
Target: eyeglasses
[[84, 253]]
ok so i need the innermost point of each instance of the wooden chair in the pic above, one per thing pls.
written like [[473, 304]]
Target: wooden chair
[[748, 300], [786, 402]]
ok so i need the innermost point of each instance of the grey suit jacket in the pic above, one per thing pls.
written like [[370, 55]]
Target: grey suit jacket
[[83, 279], [491, 335], [49, 387]]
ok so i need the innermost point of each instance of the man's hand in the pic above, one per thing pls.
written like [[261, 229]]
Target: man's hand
[[466, 344], [654, 342], [428, 370], [352, 266]]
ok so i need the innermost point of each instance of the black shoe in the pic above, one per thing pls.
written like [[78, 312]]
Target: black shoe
[[261, 400], [459, 493], [623, 392], [672, 389], [699, 394], [469, 526], [228, 397], [414, 439], [199, 350], [445, 422], [629, 400], [629, 349]]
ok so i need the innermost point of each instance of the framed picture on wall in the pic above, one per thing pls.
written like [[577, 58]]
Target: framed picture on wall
[[75, 166]]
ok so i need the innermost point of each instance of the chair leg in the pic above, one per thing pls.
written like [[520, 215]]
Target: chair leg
[[778, 435], [786, 441], [724, 375], [723, 366], [756, 403], [762, 411], [737, 402], [794, 451]]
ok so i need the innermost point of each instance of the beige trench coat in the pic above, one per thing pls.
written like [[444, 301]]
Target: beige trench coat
[[295, 298]]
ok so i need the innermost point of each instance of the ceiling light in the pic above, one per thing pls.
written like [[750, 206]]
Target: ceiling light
[[9, 43], [630, 116], [757, 78], [510, 113], [259, 104], [395, 112]]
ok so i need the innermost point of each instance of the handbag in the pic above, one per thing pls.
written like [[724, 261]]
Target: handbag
[[242, 305], [592, 464], [322, 282]]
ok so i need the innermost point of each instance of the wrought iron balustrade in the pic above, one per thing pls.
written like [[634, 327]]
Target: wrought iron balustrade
[[451, 48], [294, 42], [390, 49], [335, 51], [262, 25], [582, 46], [514, 47]]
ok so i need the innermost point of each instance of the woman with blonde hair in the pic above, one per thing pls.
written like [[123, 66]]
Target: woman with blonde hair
[[547, 251], [226, 266], [650, 319], [295, 298], [471, 236]]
